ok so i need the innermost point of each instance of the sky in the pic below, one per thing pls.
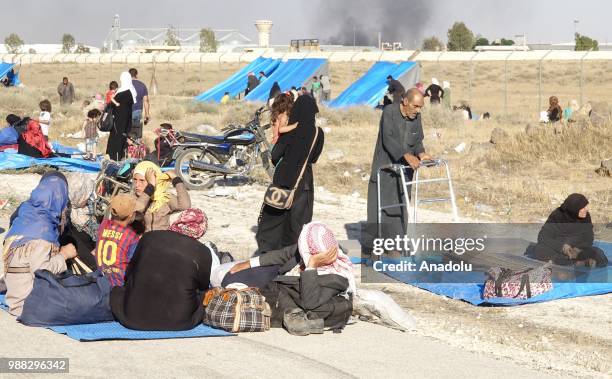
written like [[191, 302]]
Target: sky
[[328, 20]]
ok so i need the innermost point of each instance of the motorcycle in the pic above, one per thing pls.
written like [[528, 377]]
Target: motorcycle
[[200, 159]]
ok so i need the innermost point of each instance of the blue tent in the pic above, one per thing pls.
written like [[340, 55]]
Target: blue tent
[[371, 87], [6, 71], [236, 83], [292, 72]]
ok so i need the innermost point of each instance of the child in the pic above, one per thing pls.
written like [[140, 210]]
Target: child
[[44, 118], [226, 98], [112, 88], [117, 240], [90, 132], [280, 115]]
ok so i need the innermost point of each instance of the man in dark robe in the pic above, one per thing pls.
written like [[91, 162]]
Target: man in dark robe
[[400, 141]]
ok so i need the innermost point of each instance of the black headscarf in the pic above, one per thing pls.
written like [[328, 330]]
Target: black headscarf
[[274, 91], [572, 205], [564, 225], [12, 119], [303, 112]]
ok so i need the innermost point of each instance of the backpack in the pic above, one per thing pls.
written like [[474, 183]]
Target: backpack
[[523, 284], [237, 310], [107, 120]]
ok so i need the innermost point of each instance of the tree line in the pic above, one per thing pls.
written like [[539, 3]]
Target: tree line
[[461, 38]]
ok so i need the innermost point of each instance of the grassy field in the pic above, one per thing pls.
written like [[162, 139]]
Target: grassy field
[[522, 179]]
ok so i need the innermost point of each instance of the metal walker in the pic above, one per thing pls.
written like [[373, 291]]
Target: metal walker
[[412, 210]]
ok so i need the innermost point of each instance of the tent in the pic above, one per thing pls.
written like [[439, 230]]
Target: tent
[[291, 72], [5, 71], [236, 83], [371, 87]]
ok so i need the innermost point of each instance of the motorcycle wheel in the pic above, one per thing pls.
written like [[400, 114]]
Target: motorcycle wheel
[[195, 179]]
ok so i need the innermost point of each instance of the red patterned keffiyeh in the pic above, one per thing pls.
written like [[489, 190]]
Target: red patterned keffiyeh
[[192, 223], [317, 238]]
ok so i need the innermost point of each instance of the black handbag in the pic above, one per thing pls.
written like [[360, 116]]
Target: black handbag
[[282, 198], [107, 120]]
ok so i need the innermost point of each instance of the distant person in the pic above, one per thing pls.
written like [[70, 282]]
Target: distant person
[[572, 107], [326, 87], [446, 99], [44, 117], [434, 92], [252, 83], [32, 141], [294, 91], [395, 89], [9, 135], [90, 133], [274, 92], [226, 98], [117, 240], [567, 236], [112, 89], [316, 89], [123, 101], [66, 92], [420, 87], [400, 141], [262, 76], [142, 103], [554, 111]]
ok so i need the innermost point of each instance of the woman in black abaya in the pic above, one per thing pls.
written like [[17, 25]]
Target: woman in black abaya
[[278, 228], [123, 101], [567, 236]]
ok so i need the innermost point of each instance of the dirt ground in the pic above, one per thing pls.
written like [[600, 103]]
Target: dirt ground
[[566, 338]]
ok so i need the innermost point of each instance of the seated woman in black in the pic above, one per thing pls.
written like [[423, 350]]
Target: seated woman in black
[[567, 237], [164, 283]]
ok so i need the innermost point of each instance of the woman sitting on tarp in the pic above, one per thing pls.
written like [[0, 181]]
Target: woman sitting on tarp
[[32, 141], [166, 278], [567, 236], [9, 135], [155, 202], [32, 242]]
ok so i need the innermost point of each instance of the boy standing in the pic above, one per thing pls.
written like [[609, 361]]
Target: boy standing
[[117, 241]]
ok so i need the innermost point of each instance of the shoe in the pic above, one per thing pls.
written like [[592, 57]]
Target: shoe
[[297, 323]]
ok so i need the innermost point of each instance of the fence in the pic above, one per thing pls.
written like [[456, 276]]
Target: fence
[[503, 82]]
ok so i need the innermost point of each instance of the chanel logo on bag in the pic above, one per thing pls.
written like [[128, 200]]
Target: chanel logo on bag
[[276, 197]]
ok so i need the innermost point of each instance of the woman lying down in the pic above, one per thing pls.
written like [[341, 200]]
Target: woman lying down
[[310, 286]]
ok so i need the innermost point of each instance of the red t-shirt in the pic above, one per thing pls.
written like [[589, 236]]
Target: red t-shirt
[[114, 250], [109, 96]]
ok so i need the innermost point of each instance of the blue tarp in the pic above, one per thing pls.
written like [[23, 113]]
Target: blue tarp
[[598, 283], [115, 331], [4, 70], [371, 87], [292, 72], [237, 82], [14, 161]]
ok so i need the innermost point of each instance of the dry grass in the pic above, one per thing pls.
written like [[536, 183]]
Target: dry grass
[[522, 180]]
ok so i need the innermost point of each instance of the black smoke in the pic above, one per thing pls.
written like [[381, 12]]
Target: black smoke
[[343, 22]]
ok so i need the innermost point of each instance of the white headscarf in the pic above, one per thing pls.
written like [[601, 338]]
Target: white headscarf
[[435, 81], [316, 238], [126, 84]]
